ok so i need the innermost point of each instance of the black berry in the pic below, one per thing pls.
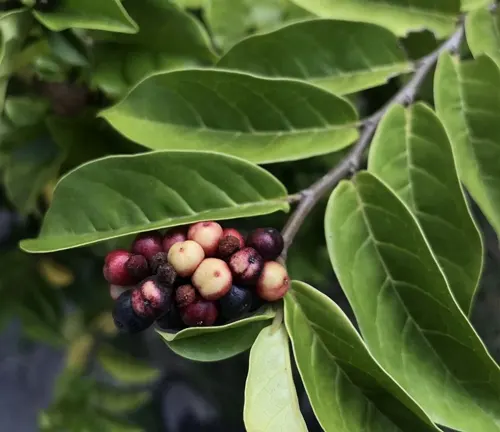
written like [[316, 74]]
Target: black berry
[[236, 302], [124, 317], [268, 242], [151, 299], [157, 260]]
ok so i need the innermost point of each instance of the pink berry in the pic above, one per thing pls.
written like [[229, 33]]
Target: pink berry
[[207, 235], [185, 257], [137, 267], [172, 236], [147, 244], [115, 268], [246, 266], [200, 313], [273, 282], [151, 299], [212, 279], [267, 241]]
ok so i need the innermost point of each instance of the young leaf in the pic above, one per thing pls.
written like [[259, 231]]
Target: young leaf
[[412, 154], [212, 347], [468, 103], [120, 195], [481, 28], [270, 399], [399, 16], [341, 378], [406, 312], [320, 51], [261, 120], [108, 15], [125, 368]]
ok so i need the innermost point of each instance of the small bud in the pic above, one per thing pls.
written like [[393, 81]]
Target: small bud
[[157, 260], [151, 299], [166, 274], [200, 313], [137, 267], [185, 257], [236, 302], [147, 244], [268, 242], [212, 279], [124, 317], [185, 295], [115, 268], [274, 282], [246, 266], [116, 291], [172, 236], [207, 235], [230, 242]]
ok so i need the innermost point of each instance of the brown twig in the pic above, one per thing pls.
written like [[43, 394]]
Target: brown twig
[[352, 162]]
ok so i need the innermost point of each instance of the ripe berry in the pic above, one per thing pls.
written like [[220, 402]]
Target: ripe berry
[[212, 278], [207, 235], [46, 5], [236, 302], [230, 242], [151, 298], [157, 260], [147, 244], [172, 236], [246, 266], [115, 268], [200, 313], [166, 274], [185, 295], [185, 257], [137, 267], [116, 291], [274, 282], [267, 241], [124, 317]]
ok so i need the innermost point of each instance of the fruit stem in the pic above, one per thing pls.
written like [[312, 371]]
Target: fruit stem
[[278, 319], [351, 163]]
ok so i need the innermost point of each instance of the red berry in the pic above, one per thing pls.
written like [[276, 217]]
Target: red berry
[[200, 313], [172, 236], [185, 295], [185, 257], [147, 244], [115, 268], [246, 266], [151, 299], [267, 241], [207, 235], [212, 278], [274, 282], [137, 267]]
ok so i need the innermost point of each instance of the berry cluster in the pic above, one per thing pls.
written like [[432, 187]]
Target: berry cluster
[[200, 275]]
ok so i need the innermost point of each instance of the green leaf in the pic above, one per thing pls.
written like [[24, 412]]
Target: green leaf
[[469, 5], [220, 345], [122, 195], [25, 111], [108, 15], [270, 398], [405, 310], [321, 52], [399, 16], [482, 30], [117, 401], [468, 104], [341, 378], [125, 368], [412, 154], [261, 120]]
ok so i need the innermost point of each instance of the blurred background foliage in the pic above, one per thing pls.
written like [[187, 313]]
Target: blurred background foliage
[[63, 367]]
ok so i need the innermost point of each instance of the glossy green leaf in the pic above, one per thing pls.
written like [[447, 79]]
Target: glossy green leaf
[[270, 397], [399, 16], [412, 154], [341, 378], [407, 315], [468, 103], [108, 15], [167, 189], [125, 368], [482, 30], [469, 5], [261, 120], [321, 52], [219, 345]]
